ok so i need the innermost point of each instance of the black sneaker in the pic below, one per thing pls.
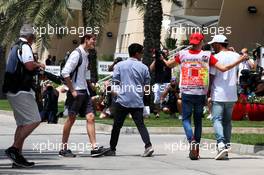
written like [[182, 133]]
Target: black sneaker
[[31, 164], [13, 154], [110, 152], [226, 157], [99, 151], [66, 153], [148, 152]]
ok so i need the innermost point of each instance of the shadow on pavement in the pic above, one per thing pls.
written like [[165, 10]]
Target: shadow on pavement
[[259, 147], [234, 158]]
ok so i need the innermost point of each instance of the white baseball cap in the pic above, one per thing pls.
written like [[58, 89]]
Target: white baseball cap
[[26, 29], [219, 39]]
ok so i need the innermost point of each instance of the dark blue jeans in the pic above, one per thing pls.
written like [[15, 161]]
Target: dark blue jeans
[[192, 104], [119, 117]]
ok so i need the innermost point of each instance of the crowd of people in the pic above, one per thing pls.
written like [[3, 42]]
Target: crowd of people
[[202, 75]]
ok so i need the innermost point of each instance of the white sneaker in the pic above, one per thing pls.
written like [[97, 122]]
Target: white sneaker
[[148, 152], [180, 117], [222, 151], [205, 110], [210, 117]]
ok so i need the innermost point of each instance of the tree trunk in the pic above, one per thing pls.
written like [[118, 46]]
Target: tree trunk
[[152, 31], [152, 28], [87, 22], [93, 65]]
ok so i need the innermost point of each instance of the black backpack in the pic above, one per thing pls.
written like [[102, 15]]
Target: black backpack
[[75, 71], [21, 79]]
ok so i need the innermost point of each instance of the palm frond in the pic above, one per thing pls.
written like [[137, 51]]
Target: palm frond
[[39, 13]]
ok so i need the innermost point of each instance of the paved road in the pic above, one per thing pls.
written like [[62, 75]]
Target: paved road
[[170, 155]]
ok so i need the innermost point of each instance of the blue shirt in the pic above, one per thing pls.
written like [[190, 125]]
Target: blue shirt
[[131, 75]]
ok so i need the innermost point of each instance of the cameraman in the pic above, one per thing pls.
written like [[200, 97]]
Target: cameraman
[[117, 60], [259, 70], [18, 84], [50, 109], [247, 64], [162, 76], [170, 105]]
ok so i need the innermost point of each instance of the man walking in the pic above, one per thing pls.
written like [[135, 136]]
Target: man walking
[[194, 81], [223, 94], [18, 85], [133, 77], [78, 97]]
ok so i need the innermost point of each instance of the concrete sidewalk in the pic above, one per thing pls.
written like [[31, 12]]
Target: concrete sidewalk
[[170, 156], [79, 128]]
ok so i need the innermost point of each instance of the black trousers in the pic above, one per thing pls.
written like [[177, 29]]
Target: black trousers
[[119, 117]]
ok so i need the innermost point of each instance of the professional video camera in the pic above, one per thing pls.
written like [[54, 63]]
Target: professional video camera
[[39, 77], [250, 79], [157, 53], [54, 78]]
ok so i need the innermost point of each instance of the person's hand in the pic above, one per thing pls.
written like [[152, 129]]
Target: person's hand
[[245, 57], [42, 66], [63, 90], [74, 93], [231, 49]]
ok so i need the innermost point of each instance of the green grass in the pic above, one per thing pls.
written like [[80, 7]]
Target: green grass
[[166, 121], [249, 139], [4, 105], [163, 121]]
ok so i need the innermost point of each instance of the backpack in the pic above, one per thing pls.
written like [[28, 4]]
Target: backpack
[[75, 71], [20, 79]]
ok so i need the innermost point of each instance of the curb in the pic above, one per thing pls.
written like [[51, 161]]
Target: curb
[[242, 148], [164, 130], [236, 148]]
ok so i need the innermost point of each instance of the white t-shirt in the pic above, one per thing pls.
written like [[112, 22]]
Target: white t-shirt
[[25, 57], [224, 88], [27, 54], [244, 65], [72, 62]]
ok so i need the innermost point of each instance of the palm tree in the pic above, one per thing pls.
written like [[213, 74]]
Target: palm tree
[[40, 13], [95, 14], [153, 17], [152, 28], [152, 10]]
